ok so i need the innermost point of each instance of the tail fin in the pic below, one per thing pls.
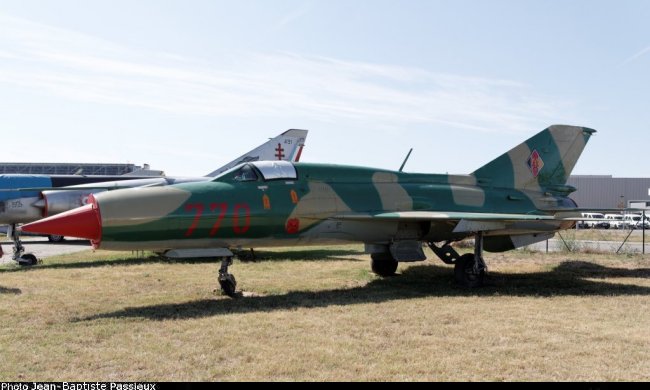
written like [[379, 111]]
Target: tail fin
[[286, 146], [543, 161]]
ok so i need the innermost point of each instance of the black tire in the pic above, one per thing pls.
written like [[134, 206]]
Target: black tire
[[55, 238], [383, 264], [464, 272], [228, 285], [28, 260]]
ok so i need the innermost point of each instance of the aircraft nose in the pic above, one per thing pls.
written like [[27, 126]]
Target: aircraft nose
[[82, 222]]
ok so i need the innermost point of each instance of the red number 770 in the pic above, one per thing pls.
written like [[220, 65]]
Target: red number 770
[[199, 209]]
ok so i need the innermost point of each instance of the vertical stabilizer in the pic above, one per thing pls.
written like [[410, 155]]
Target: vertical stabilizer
[[286, 146], [543, 161]]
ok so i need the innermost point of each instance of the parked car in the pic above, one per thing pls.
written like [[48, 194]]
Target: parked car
[[615, 221], [4, 229], [594, 221], [634, 221]]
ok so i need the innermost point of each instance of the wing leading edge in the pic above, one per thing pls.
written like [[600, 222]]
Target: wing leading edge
[[447, 216]]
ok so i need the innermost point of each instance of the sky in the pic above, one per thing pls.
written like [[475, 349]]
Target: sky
[[188, 85]]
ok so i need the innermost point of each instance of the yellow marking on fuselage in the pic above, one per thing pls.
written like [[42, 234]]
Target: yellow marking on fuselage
[[266, 201]]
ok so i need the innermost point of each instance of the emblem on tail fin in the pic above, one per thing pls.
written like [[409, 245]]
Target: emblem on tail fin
[[535, 163], [523, 166]]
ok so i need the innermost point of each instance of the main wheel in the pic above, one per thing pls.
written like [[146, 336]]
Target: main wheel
[[27, 260], [383, 264], [228, 285], [54, 238], [465, 274]]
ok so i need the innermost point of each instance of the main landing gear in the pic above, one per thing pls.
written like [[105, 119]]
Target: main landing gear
[[19, 256], [383, 264], [386, 258], [227, 281], [469, 269]]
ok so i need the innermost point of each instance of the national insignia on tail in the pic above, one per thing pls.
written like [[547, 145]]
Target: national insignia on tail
[[535, 163]]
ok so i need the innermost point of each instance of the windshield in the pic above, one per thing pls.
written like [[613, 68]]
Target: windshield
[[275, 170], [227, 172], [246, 173]]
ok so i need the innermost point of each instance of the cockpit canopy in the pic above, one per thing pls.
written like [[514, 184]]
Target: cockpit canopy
[[268, 170], [276, 170]]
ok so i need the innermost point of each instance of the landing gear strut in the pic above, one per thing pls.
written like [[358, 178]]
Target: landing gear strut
[[446, 253], [24, 259], [226, 280], [470, 269]]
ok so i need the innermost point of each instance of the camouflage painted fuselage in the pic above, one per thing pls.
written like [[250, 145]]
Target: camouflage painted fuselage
[[325, 204], [519, 198]]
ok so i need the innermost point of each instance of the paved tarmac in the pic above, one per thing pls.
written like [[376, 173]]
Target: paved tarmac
[[557, 245], [43, 249]]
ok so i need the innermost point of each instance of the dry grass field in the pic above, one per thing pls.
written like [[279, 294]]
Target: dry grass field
[[606, 235], [312, 314]]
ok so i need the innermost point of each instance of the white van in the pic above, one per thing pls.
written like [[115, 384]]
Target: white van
[[594, 221], [615, 221], [633, 221]]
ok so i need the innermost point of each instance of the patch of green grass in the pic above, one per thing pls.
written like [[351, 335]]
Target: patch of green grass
[[321, 315]]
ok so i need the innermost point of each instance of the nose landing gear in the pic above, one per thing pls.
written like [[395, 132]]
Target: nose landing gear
[[19, 256], [226, 280]]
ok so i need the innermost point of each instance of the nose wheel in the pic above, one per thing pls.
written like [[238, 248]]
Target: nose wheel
[[19, 256], [226, 280], [27, 260]]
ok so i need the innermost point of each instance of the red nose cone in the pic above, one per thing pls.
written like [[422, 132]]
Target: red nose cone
[[82, 222]]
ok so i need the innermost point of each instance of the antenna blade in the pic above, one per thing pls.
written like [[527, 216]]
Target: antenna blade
[[405, 160]]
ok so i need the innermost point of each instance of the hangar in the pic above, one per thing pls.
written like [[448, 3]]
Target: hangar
[[608, 192], [69, 168]]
